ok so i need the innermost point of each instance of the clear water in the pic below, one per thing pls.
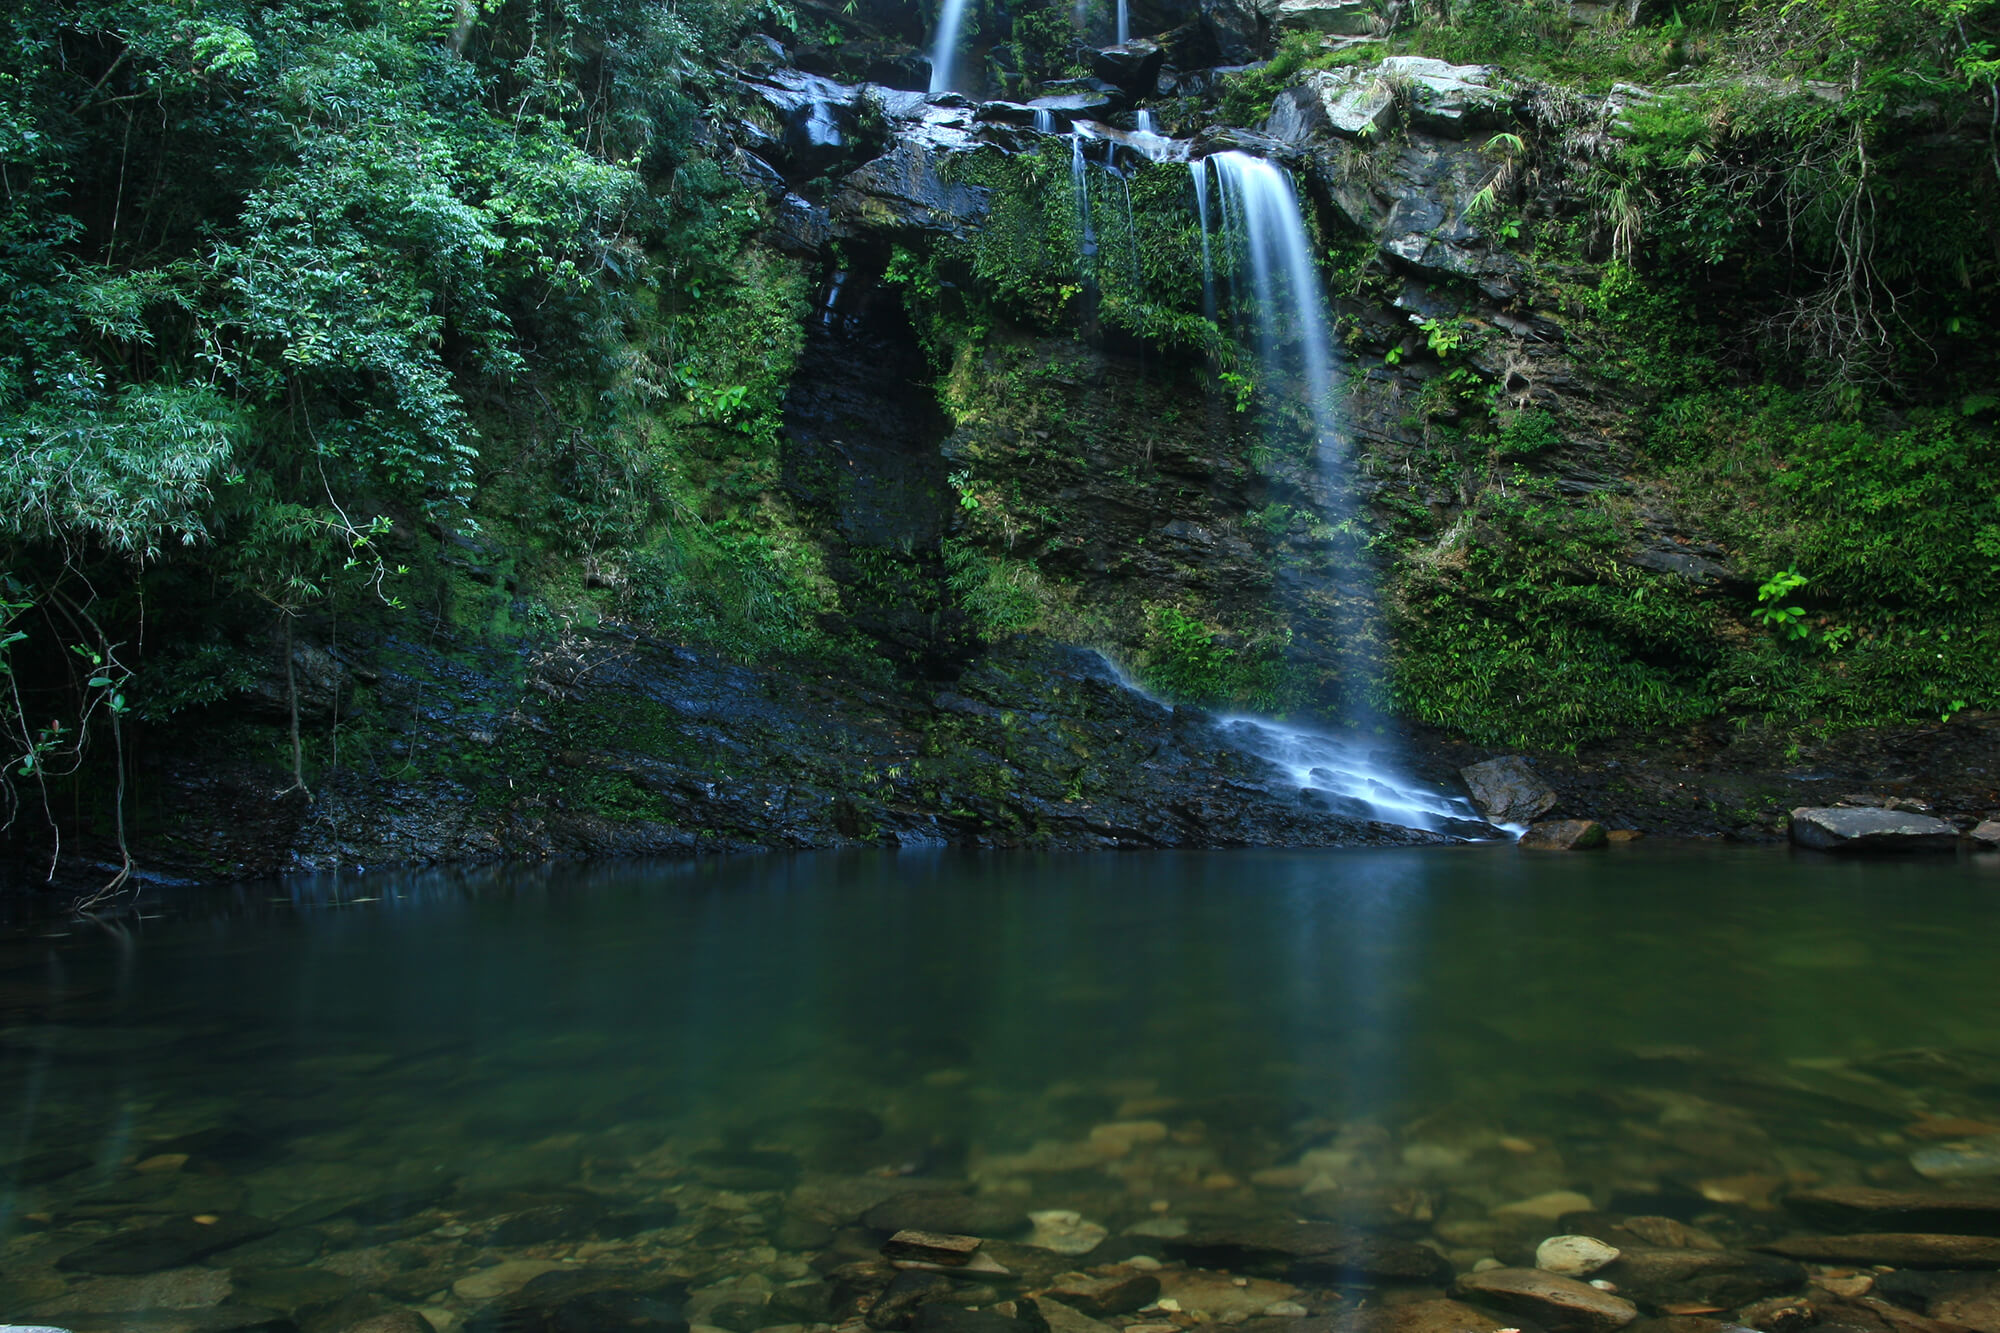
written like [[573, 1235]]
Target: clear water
[[376, 1065]]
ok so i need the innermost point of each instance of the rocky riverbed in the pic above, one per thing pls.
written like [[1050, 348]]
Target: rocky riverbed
[[1690, 1195]]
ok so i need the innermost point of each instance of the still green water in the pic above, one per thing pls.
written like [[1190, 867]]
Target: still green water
[[731, 1058]]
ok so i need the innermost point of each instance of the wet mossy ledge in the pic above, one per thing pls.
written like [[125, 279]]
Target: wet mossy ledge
[[887, 469]]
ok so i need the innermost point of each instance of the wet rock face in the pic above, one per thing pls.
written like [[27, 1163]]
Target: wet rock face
[[861, 453], [902, 194], [1132, 67]]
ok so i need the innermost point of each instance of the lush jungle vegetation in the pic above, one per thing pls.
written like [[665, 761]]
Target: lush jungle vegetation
[[312, 306]]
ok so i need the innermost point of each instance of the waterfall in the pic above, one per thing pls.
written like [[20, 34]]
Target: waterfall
[[1259, 206], [1146, 123], [1283, 306], [1124, 24], [949, 17], [1045, 120]]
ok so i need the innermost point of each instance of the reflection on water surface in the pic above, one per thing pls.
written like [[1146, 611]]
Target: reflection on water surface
[[685, 1093]]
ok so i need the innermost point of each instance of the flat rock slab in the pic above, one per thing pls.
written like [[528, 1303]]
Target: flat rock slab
[[1560, 1304], [1859, 1208], [1867, 830], [1899, 1249], [934, 1246], [170, 1245]]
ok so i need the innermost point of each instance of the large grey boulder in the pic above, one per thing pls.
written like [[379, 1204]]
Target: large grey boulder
[[1869, 830], [1508, 790], [1986, 837], [1352, 103], [1450, 99]]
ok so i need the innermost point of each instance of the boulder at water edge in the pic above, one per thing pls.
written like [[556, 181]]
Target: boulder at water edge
[[1865, 829], [1986, 837], [1564, 835], [1508, 790]]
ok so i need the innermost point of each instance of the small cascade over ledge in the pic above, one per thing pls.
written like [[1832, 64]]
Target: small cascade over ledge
[[1343, 775]]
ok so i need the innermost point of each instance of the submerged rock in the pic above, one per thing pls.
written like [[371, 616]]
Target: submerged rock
[[1507, 789], [949, 1214], [1724, 1278], [1313, 1252], [1867, 830], [1970, 1160], [1560, 1304], [1115, 1293], [1902, 1249], [1573, 1256], [170, 1245]]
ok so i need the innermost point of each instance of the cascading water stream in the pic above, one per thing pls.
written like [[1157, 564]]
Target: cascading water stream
[[1259, 207], [1199, 168], [1264, 231], [946, 45], [1131, 230], [1124, 23], [1045, 120], [1079, 178]]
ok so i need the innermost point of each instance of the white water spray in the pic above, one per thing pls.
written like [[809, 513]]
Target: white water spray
[[946, 46]]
